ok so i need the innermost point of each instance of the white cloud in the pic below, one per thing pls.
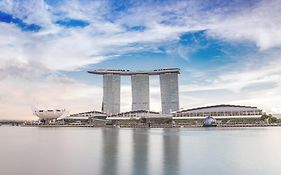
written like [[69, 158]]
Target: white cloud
[[260, 24], [29, 10], [93, 44], [253, 81], [54, 48]]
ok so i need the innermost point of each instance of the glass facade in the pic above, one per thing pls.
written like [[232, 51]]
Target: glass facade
[[227, 113]]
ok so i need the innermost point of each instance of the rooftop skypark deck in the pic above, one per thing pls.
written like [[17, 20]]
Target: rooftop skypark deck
[[128, 72]]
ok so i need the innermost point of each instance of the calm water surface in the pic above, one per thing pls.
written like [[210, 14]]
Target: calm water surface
[[94, 151]]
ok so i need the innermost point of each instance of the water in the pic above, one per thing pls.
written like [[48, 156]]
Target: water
[[94, 151]]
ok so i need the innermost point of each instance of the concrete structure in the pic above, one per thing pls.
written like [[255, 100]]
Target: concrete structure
[[129, 73], [134, 115], [169, 92], [140, 118], [111, 93], [90, 114], [140, 89], [219, 112], [84, 117], [140, 92], [48, 114]]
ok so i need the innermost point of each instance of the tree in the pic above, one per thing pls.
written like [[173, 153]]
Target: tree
[[269, 117], [264, 117], [273, 120]]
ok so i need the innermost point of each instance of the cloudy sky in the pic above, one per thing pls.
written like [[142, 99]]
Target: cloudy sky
[[229, 52]]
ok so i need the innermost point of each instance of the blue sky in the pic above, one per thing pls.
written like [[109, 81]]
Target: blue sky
[[228, 51]]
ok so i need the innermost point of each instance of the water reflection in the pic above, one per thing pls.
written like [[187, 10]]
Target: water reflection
[[125, 152], [110, 151], [171, 151], [140, 150]]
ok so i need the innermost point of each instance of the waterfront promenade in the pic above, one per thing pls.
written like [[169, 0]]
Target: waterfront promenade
[[161, 126]]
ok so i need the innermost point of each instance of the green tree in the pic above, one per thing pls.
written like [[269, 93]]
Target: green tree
[[264, 117], [273, 120]]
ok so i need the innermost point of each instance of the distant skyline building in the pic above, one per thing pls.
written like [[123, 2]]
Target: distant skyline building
[[140, 89]]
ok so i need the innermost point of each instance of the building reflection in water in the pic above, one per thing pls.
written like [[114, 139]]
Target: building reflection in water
[[110, 151], [171, 152], [125, 152], [140, 149]]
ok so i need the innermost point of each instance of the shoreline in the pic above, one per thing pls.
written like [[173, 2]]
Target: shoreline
[[161, 126]]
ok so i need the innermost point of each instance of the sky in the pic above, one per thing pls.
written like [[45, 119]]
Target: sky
[[229, 52]]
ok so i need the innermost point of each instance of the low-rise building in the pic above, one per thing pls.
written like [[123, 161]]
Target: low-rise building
[[222, 111], [85, 116], [140, 118], [138, 114], [89, 114]]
